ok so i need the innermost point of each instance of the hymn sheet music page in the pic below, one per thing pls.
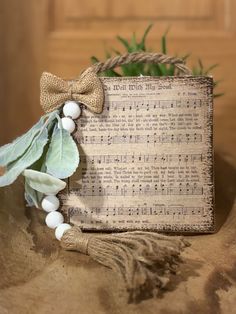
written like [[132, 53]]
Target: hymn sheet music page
[[146, 162]]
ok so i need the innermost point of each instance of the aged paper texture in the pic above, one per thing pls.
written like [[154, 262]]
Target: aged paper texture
[[147, 160]]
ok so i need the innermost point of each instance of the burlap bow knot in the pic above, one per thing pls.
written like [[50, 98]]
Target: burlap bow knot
[[87, 89]]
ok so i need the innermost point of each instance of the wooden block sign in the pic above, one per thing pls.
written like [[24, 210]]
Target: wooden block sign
[[147, 159]]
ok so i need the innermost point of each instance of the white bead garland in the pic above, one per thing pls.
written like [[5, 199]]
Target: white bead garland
[[67, 124], [54, 219], [71, 109], [50, 203], [61, 229]]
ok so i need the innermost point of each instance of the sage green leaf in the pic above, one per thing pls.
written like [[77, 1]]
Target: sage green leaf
[[32, 196], [63, 156], [43, 182], [32, 154], [12, 151], [29, 201]]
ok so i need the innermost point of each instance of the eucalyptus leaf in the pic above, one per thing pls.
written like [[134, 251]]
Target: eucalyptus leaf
[[32, 154], [43, 182], [32, 196], [63, 156]]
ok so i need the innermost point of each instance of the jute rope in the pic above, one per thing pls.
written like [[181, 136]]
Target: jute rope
[[140, 57], [88, 88]]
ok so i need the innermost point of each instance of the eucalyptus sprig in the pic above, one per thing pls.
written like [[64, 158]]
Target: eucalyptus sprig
[[44, 155], [135, 45]]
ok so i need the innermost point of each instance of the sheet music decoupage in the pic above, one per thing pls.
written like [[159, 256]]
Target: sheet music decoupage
[[147, 160]]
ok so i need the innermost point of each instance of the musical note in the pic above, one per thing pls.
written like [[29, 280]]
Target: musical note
[[152, 104], [141, 189], [139, 210], [141, 158], [148, 139]]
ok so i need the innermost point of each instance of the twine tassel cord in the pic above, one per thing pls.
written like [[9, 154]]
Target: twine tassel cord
[[142, 259]]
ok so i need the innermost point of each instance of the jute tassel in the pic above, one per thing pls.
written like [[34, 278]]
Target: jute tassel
[[145, 260]]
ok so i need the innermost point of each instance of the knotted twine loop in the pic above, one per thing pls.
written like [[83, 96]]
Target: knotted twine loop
[[88, 88]]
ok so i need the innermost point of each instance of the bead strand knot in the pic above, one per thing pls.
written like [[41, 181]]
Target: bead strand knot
[[82, 243], [74, 239]]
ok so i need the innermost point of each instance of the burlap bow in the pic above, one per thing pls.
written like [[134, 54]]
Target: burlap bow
[[87, 89]]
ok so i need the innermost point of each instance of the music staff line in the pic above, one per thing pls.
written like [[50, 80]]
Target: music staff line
[[153, 104], [140, 189], [136, 211], [136, 139], [141, 158]]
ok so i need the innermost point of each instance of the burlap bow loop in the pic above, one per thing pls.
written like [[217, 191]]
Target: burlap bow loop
[[87, 89]]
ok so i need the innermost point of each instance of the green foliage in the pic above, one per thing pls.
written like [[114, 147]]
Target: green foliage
[[32, 154], [12, 151], [62, 157], [137, 69], [43, 182], [36, 154], [200, 70], [32, 197]]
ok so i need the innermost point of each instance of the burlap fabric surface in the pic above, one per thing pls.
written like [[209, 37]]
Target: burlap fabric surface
[[39, 277]]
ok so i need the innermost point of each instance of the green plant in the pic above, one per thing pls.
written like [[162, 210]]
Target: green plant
[[133, 45], [44, 155]]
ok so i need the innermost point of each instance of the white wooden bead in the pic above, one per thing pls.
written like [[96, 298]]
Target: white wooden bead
[[71, 109], [50, 203], [54, 219], [60, 230], [67, 124]]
